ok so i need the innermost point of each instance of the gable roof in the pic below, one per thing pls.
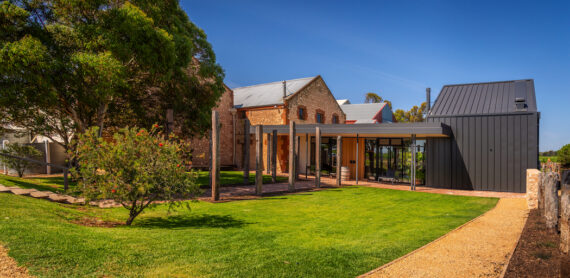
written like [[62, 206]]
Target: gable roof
[[269, 93], [362, 113], [485, 98]]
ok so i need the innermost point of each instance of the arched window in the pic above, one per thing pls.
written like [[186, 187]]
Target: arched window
[[335, 118]]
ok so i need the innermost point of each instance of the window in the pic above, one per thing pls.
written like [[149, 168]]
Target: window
[[320, 118], [302, 113], [335, 119]]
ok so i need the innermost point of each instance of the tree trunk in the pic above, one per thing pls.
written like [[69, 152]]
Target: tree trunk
[[132, 215]]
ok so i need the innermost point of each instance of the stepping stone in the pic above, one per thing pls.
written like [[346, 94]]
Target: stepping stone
[[79, 200], [4, 189], [56, 198], [73, 200], [41, 194], [21, 191]]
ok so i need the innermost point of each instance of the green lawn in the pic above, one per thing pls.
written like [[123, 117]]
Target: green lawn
[[331, 233], [55, 184], [233, 178]]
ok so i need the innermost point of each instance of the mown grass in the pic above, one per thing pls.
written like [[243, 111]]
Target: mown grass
[[228, 178], [55, 183], [331, 233]]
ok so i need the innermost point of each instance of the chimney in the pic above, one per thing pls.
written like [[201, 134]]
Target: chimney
[[428, 100], [284, 89]]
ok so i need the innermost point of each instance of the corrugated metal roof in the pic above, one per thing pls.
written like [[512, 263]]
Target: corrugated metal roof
[[361, 113], [268, 93], [484, 98]]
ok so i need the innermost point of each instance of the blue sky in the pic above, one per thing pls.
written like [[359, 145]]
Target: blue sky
[[397, 48]]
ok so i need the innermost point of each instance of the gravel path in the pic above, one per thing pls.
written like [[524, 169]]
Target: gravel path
[[481, 248], [9, 267]]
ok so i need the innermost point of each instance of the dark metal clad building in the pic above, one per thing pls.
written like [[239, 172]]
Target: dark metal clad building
[[494, 136]]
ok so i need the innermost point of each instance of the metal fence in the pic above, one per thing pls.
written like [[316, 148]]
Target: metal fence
[[63, 168]]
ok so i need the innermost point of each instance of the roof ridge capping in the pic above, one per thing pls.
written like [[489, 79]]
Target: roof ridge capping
[[274, 82], [489, 82]]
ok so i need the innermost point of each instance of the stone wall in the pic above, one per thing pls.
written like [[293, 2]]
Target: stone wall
[[316, 96], [532, 178], [267, 115]]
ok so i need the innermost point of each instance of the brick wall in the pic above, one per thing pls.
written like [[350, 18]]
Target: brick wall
[[201, 146], [258, 116], [316, 96], [267, 115]]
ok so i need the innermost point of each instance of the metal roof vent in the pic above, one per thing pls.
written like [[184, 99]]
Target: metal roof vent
[[520, 95], [520, 103]]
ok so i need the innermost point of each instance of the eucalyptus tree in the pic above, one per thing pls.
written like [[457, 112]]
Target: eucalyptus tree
[[66, 66]]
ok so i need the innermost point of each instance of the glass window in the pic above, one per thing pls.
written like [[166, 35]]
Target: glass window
[[301, 113], [320, 118], [335, 119]]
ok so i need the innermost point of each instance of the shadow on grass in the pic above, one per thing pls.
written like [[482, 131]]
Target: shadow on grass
[[41, 187], [194, 221]]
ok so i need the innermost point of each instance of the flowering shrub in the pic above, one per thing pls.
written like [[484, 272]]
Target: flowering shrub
[[135, 168]]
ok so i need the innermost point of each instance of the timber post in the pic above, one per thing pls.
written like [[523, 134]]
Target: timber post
[[318, 157], [259, 160], [268, 158], [297, 152], [274, 157], [215, 173], [338, 160], [357, 157], [246, 151], [292, 139]]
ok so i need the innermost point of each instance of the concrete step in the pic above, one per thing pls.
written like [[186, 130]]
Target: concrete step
[[21, 191]]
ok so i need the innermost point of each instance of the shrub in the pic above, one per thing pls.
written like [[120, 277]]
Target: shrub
[[19, 150], [135, 168], [564, 155]]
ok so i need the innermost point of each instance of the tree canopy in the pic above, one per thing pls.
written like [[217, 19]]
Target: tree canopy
[[375, 98], [415, 114], [69, 65]]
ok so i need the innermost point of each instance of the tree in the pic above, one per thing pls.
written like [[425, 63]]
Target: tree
[[19, 150], [415, 114], [375, 98], [564, 155], [70, 65], [136, 168]]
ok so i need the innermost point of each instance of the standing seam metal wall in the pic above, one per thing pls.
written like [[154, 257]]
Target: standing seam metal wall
[[485, 152]]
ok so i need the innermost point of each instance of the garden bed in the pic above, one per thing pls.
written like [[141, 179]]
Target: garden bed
[[537, 253]]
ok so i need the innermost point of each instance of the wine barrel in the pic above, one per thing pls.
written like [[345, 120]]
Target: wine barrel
[[344, 173]]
